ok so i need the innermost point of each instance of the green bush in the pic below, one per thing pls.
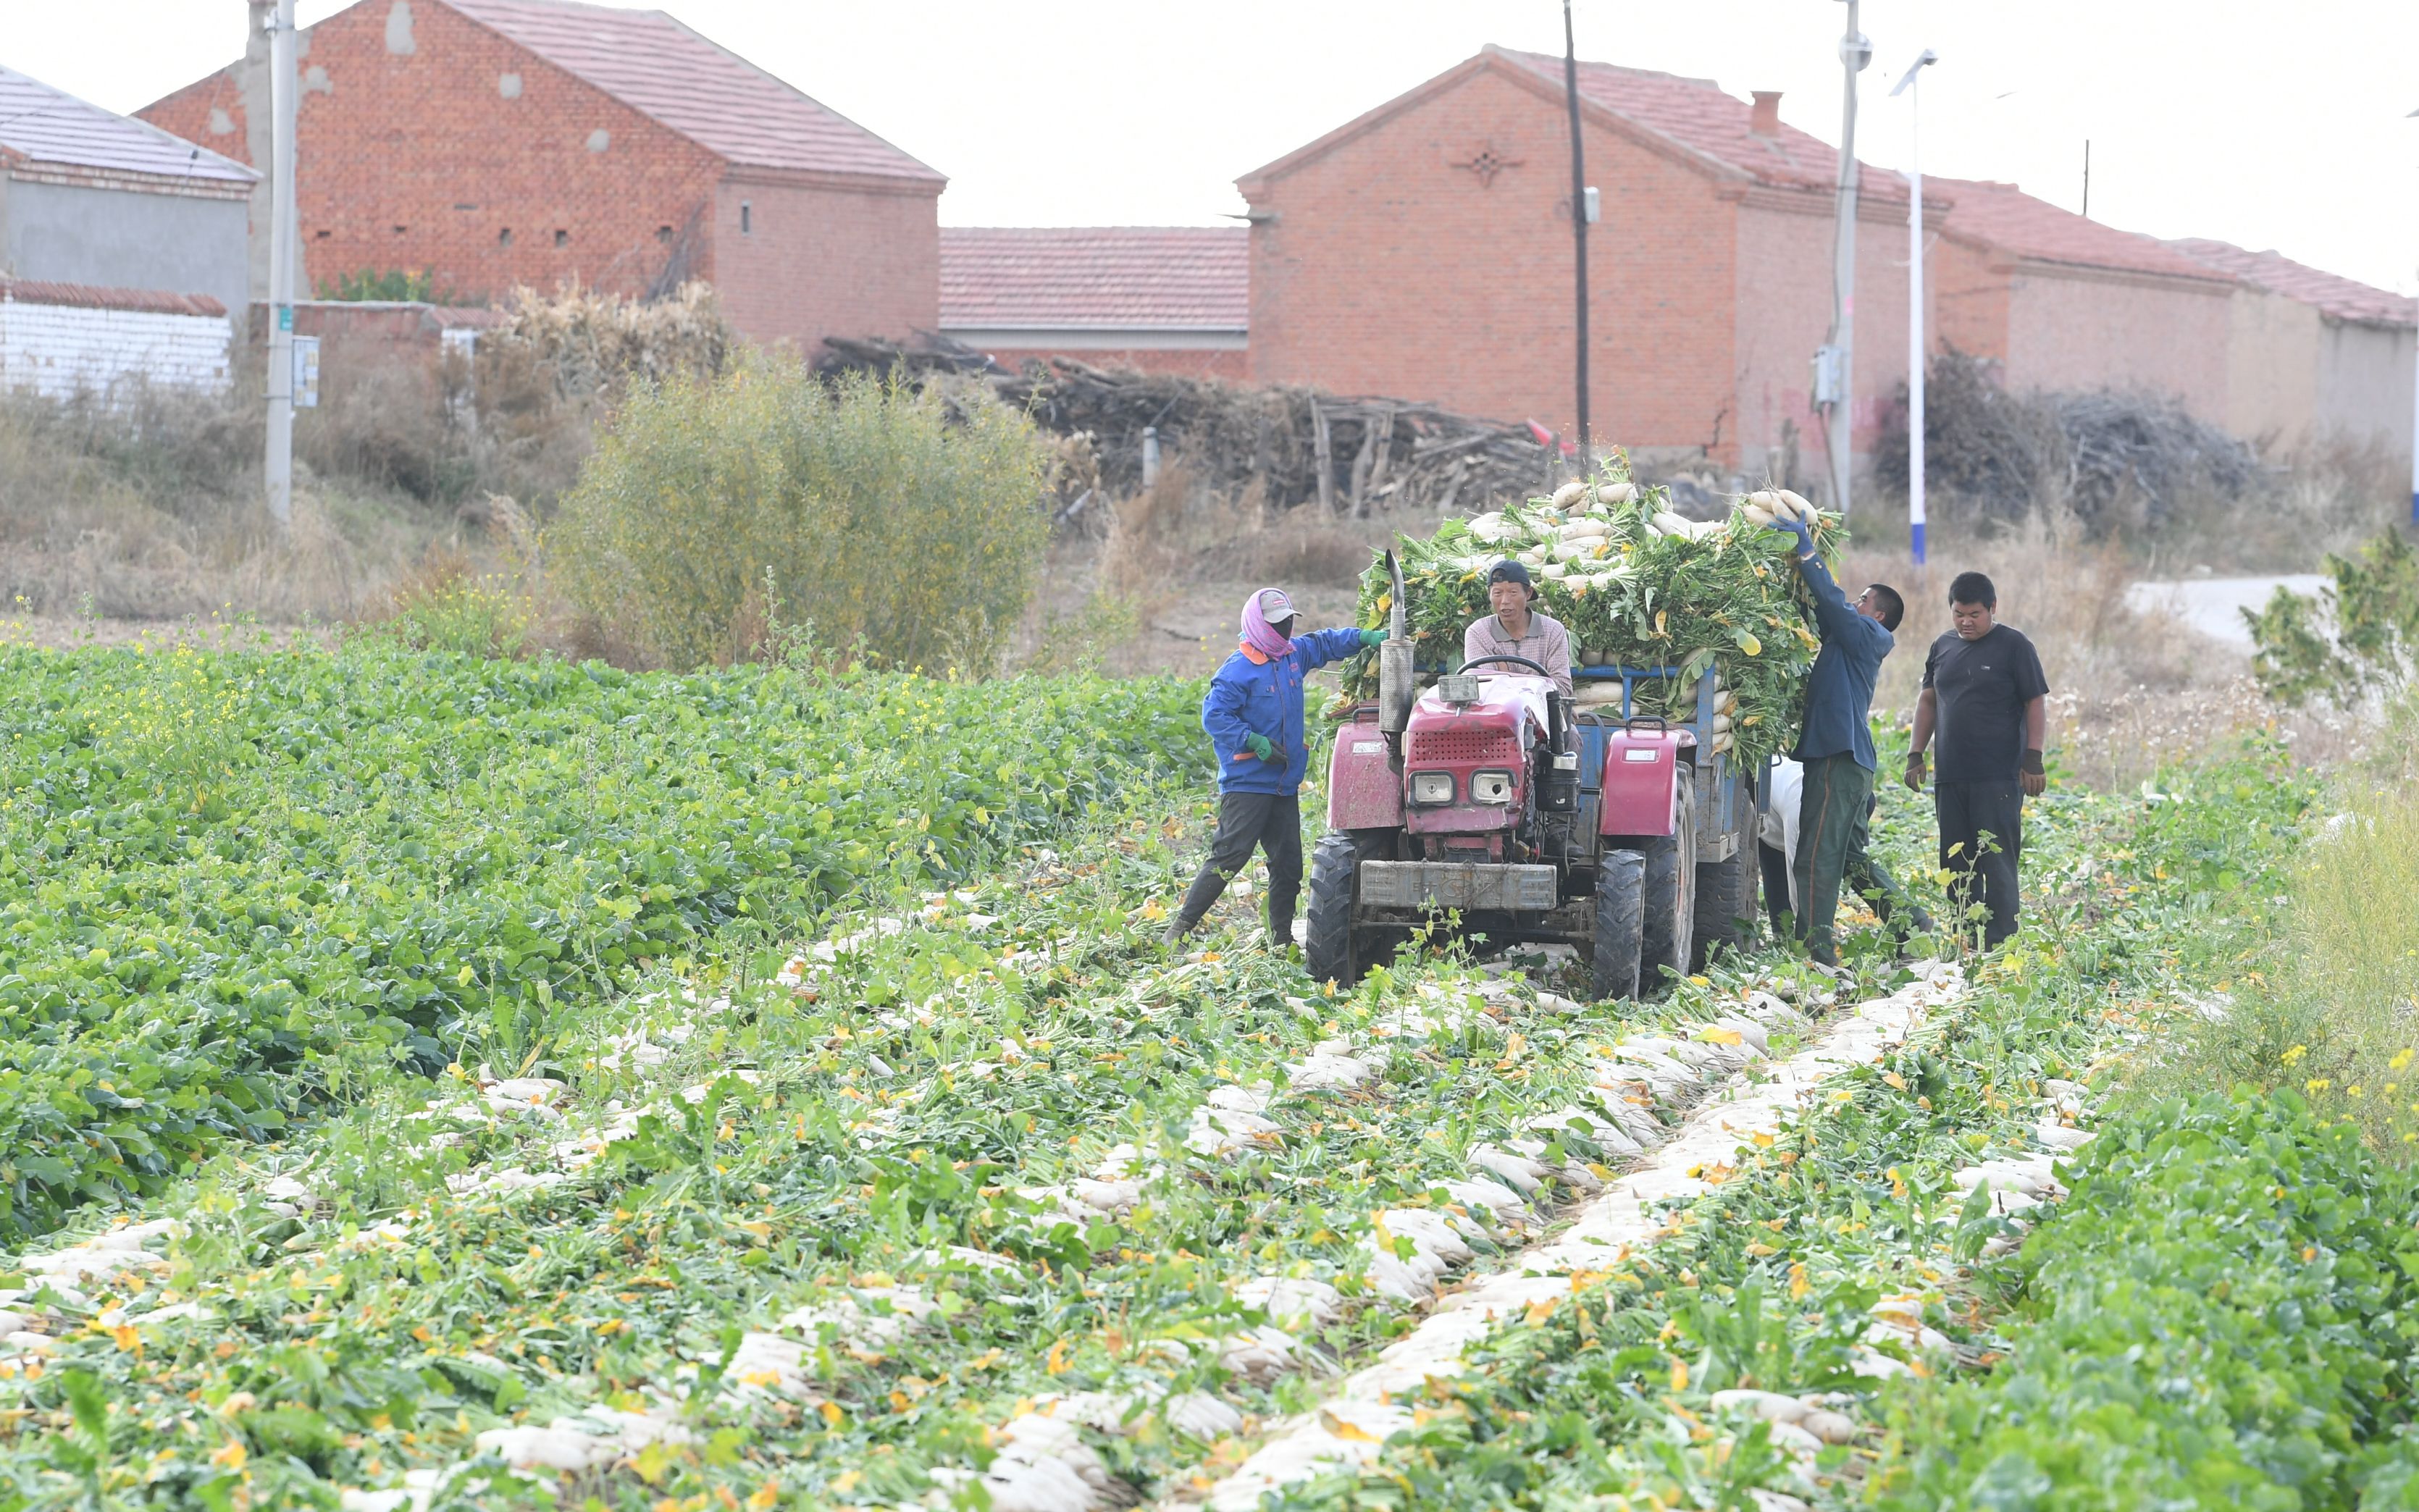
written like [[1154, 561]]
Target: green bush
[[898, 527], [2357, 635]]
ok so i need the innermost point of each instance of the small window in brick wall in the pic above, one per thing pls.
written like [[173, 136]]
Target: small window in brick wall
[[664, 235], [504, 236], [561, 239], [747, 218]]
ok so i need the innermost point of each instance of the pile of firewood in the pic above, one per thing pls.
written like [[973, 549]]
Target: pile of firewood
[[1301, 447]]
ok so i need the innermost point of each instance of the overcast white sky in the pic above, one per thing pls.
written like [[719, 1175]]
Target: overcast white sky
[[2263, 124]]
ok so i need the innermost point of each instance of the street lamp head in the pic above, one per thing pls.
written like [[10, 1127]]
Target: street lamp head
[[1855, 51], [1906, 80]]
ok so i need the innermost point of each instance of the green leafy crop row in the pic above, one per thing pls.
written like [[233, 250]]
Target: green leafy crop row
[[2224, 1313], [231, 884]]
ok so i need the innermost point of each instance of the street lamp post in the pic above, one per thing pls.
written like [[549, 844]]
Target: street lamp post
[[1909, 85], [1835, 379]]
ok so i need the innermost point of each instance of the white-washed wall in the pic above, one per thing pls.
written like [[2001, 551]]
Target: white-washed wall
[[59, 349]]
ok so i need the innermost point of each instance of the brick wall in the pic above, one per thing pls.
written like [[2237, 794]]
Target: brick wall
[[1969, 299], [60, 350], [426, 159], [826, 259], [2083, 329], [1784, 313], [1392, 269]]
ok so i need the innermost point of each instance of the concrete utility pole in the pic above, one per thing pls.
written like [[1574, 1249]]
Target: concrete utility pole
[[1910, 85], [279, 460], [2415, 410], [1834, 376], [1579, 228]]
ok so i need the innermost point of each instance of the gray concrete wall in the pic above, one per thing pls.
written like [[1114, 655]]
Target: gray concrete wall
[[125, 238], [2365, 378]]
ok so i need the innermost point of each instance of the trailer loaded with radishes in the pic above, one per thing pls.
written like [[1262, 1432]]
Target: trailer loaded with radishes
[[1619, 819]]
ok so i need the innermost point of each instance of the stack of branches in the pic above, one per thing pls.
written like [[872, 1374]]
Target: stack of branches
[[2115, 461], [1299, 444], [587, 344]]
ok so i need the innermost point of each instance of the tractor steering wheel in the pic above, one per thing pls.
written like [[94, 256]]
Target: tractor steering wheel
[[1522, 660]]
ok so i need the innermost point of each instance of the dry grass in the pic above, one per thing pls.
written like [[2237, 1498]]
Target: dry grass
[[2128, 692]]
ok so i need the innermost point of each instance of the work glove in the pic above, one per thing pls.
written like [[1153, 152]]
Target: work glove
[[1915, 771], [1260, 745], [1796, 528], [2033, 778], [1370, 637]]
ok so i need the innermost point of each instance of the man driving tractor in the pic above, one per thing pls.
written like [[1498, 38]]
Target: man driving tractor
[[1516, 629], [1253, 714]]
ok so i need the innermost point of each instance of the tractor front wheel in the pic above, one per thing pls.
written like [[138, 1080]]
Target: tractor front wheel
[[1620, 924], [1334, 948]]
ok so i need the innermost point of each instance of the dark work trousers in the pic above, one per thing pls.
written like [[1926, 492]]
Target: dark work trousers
[[1834, 808], [1248, 820], [1968, 812]]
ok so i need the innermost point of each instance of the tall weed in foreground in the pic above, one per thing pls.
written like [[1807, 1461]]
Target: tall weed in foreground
[[886, 520], [2330, 1011]]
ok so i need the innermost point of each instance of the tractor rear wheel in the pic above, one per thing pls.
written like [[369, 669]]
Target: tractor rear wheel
[[1670, 893], [1620, 931], [1335, 948], [1726, 894]]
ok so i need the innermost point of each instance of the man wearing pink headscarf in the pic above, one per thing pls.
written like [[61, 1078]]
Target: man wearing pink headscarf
[[1253, 715]]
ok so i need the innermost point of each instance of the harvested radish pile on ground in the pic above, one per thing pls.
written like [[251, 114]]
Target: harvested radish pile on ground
[[1636, 585]]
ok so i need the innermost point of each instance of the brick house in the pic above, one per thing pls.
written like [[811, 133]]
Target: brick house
[[1425, 250], [1163, 298], [2313, 356], [93, 200], [2065, 303], [500, 143]]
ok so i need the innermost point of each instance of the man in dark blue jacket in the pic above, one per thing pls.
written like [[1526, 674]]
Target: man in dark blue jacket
[[1253, 715], [1836, 747]]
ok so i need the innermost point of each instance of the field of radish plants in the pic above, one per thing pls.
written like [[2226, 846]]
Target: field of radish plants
[[438, 1084]]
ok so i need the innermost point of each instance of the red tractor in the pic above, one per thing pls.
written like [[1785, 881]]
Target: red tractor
[[1490, 804]]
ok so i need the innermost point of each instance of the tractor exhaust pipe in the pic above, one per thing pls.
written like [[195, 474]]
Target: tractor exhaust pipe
[[1397, 684]]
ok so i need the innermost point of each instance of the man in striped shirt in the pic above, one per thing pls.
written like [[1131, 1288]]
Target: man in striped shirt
[[1516, 629]]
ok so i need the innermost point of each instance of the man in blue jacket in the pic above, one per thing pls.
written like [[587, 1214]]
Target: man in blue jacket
[[1253, 715], [1836, 748]]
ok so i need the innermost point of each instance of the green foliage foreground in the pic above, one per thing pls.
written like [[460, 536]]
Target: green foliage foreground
[[232, 884]]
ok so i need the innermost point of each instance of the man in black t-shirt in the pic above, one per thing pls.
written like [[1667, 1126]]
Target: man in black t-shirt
[[1983, 690]]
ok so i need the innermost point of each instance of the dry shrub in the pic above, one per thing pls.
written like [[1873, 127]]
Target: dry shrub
[[719, 509], [587, 345], [2136, 469]]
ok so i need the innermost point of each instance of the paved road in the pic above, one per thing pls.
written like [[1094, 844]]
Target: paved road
[[2214, 606]]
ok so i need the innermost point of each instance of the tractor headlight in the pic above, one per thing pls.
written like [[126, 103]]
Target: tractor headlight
[[1432, 787], [1491, 787]]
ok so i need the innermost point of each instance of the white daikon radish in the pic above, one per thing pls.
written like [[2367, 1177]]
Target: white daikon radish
[[1756, 514], [1668, 523], [1798, 505], [1570, 493], [1617, 493]]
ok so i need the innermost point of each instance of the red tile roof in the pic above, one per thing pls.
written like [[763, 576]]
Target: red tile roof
[[94, 297], [1166, 277], [2005, 217], [1697, 114], [43, 125], [2339, 298], [659, 67]]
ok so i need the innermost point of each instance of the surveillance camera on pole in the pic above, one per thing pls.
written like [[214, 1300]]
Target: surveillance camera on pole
[[1915, 349], [1834, 365]]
